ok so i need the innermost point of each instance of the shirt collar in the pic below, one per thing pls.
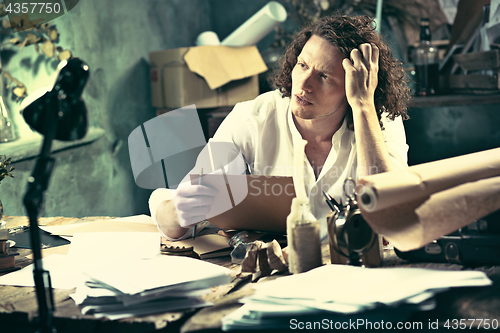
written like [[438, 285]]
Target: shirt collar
[[291, 124]]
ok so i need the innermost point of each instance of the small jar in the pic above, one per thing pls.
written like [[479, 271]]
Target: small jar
[[304, 244]]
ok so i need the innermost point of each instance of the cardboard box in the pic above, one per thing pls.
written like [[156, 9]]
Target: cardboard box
[[207, 76]]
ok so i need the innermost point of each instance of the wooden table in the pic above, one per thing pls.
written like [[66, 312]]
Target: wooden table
[[18, 305]]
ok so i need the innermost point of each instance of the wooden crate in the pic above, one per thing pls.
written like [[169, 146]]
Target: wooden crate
[[477, 61]]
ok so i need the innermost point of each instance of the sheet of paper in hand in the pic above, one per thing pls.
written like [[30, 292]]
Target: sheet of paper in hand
[[250, 202]]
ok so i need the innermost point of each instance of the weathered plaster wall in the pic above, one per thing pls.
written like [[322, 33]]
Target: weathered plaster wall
[[114, 38]]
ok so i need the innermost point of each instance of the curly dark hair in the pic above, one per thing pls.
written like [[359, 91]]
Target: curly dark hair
[[347, 33]]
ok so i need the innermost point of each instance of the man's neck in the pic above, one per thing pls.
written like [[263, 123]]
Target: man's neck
[[318, 133], [320, 129]]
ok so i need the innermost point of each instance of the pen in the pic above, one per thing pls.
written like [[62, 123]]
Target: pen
[[334, 205], [199, 183]]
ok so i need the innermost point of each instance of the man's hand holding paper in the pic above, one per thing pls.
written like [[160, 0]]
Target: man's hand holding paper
[[193, 203]]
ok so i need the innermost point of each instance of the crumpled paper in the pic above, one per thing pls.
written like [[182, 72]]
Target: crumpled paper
[[263, 259]]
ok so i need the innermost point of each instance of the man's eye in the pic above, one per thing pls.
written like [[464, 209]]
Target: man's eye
[[323, 76], [302, 65]]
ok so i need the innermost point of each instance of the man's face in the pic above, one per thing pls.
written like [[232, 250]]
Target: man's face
[[318, 81]]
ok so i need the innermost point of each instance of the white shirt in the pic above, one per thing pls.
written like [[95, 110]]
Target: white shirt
[[264, 132]]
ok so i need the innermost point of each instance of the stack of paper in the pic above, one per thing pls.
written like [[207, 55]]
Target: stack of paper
[[340, 293], [139, 287], [119, 272]]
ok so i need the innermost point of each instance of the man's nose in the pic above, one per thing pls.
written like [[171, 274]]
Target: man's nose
[[306, 83]]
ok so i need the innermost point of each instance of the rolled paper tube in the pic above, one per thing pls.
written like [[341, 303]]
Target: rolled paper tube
[[377, 192], [454, 208], [207, 38], [257, 26], [415, 223]]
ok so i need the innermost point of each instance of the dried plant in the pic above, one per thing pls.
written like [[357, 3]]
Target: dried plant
[[305, 12], [4, 170], [43, 37]]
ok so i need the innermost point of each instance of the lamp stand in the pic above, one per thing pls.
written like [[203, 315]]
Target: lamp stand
[[33, 201]]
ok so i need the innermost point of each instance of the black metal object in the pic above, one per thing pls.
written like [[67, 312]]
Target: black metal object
[[477, 244], [58, 114], [350, 234]]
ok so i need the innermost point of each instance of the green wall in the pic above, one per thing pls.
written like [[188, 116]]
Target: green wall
[[435, 133], [114, 37]]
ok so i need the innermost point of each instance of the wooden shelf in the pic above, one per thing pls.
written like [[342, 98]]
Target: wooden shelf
[[23, 149], [452, 100]]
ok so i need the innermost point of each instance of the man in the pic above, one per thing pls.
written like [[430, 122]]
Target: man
[[340, 90]]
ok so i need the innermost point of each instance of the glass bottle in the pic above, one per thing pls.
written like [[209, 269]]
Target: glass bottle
[[304, 245], [426, 61], [7, 127], [239, 243]]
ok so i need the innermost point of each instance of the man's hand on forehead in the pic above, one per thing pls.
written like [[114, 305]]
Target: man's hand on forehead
[[370, 53], [361, 75]]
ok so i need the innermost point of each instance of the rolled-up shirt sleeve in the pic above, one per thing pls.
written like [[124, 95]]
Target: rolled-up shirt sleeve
[[395, 140]]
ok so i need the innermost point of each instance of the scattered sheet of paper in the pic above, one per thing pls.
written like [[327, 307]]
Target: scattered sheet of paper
[[60, 229], [90, 248], [346, 290], [63, 273], [99, 225], [139, 223]]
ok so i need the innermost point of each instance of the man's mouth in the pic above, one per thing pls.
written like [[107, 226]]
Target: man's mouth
[[302, 101]]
